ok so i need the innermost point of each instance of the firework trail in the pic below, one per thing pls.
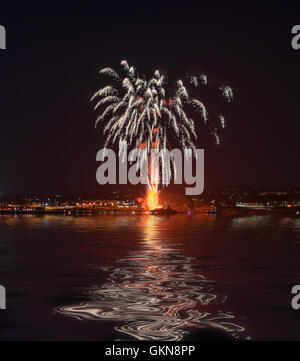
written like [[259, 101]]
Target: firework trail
[[149, 114]]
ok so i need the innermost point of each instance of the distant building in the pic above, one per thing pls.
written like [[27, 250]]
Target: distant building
[[3, 204], [277, 193], [253, 205]]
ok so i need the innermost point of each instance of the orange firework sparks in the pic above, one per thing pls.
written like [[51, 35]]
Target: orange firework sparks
[[152, 198]]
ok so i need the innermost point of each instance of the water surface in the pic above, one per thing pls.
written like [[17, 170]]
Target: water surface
[[144, 277]]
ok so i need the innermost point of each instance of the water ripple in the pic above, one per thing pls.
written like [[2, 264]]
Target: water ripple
[[156, 293]]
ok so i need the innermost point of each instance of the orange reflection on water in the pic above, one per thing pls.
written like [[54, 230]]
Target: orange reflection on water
[[156, 293]]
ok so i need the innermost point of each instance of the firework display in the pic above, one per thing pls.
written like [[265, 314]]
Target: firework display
[[148, 113]]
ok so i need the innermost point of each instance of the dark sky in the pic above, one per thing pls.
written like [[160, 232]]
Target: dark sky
[[50, 70]]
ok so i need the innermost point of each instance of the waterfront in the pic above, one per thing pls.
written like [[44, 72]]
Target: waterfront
[[129, 277]]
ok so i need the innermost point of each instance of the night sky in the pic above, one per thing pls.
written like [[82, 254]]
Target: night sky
[[50, 70]]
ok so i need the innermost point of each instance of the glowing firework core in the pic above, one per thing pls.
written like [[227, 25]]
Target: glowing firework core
[[152, 198]]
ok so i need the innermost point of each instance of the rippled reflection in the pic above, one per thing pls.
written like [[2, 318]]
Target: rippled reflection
[[156, 293]]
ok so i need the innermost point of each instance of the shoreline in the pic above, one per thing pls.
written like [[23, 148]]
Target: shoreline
[[230, 211]]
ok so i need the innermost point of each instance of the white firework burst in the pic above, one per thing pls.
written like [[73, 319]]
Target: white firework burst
[[145, 113]]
